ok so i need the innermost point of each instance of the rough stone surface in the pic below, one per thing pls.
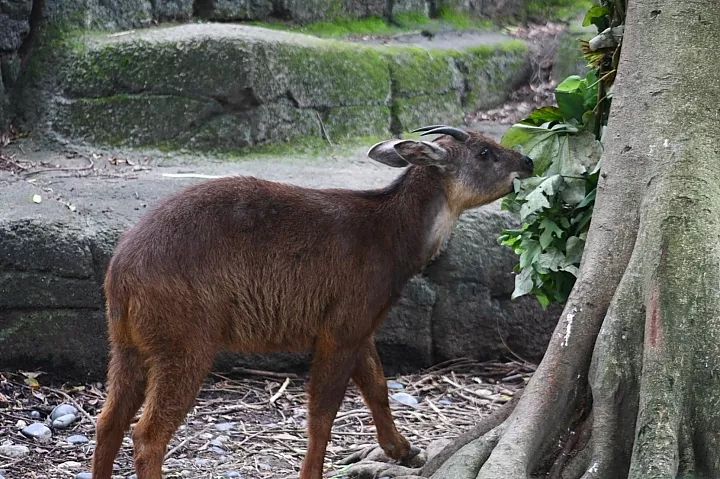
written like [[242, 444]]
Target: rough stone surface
[[37, 431], [14, 451], [169, 86], [459, 306]]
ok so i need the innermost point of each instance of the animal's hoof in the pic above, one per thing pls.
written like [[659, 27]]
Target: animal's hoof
[[415, 458]]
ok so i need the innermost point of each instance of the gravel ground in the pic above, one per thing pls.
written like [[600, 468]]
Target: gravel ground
[[245, 424]]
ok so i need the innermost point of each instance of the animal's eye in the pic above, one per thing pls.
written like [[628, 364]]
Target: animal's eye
[[484, 152]]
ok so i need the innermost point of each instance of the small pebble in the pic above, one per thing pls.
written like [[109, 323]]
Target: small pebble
[[64, 421], [77, 439], [224, 426], [35, 414], [13, 451], [405, 398], [445, 402], [62, 410], [218, 450], [83, 475], [391, 384], [232, 475], [20, 424], [70, 465], [37, 431]]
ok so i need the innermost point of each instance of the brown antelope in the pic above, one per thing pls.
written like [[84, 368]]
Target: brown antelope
[[248, 265]]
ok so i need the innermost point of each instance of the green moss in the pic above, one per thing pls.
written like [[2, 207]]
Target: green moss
[[429, 109], [417, 71], [335, 74], [459, 20], [351, 121], [556, 9], [406, 22]]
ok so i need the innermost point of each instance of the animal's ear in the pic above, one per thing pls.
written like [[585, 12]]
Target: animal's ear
[[423, 153], [385, 152]]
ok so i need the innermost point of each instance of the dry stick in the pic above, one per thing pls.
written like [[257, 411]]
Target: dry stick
[[487, 397], [322, 129], [277, 395], [259, 372], [42, 170], [442, 416]]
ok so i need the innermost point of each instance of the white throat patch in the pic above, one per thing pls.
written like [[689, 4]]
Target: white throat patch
[[440, 232]]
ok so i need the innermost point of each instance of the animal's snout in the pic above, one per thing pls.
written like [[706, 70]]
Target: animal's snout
[[529, 162]]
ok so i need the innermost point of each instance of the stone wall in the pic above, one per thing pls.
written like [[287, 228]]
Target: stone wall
[[221, 86]]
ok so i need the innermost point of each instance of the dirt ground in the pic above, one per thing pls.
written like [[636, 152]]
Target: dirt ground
[[251, 424]]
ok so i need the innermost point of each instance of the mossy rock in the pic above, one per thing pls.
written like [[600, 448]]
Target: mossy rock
[[352, 121], [418, 71], [131, 120], [221, 86], [491, 73], [269, 123], [334, 74], [429, 109]]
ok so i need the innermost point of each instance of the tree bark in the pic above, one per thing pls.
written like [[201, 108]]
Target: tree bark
[[630, 383]]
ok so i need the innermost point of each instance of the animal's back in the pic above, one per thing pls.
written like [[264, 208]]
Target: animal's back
[[251, 264]]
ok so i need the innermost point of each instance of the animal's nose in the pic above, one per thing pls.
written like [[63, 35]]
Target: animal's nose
[[528, 162]]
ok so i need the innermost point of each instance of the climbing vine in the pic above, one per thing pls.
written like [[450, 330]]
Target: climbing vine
[[555, 206]]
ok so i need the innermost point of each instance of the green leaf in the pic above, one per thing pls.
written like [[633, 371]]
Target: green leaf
[[546, 114], [523, 283], [598, 16], [539, 143], [538, 198], [575, 95], [550, 229], [532, 250], [570, 97], [572, 269], [553, 260], [574, 247], [589, 198], [543, 299]]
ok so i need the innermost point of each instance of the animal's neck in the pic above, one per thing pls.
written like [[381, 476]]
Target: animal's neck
[[422, 218]]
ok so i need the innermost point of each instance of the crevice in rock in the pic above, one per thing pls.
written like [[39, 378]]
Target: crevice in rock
[[289, 95], [36, 16], [465, 88], [395, 126], [203, 8], [240, 101]]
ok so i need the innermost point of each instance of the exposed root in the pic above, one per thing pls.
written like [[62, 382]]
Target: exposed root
[[467, 461], [489, 423]]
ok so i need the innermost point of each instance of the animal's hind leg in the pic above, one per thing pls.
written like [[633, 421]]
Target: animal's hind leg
[[126, 391], [329, 375], [174, 378], [369, 377]]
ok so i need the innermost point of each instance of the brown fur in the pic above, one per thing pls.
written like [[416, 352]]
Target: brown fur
[[249, 265]]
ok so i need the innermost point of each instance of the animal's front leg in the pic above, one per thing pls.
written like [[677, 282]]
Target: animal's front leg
[[329, 375], [369, 377]]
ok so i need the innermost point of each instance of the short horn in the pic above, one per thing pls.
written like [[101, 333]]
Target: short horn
[[426, 128], [456, 133]]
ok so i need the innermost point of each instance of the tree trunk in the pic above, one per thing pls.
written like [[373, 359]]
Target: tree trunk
[[630, 384]]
